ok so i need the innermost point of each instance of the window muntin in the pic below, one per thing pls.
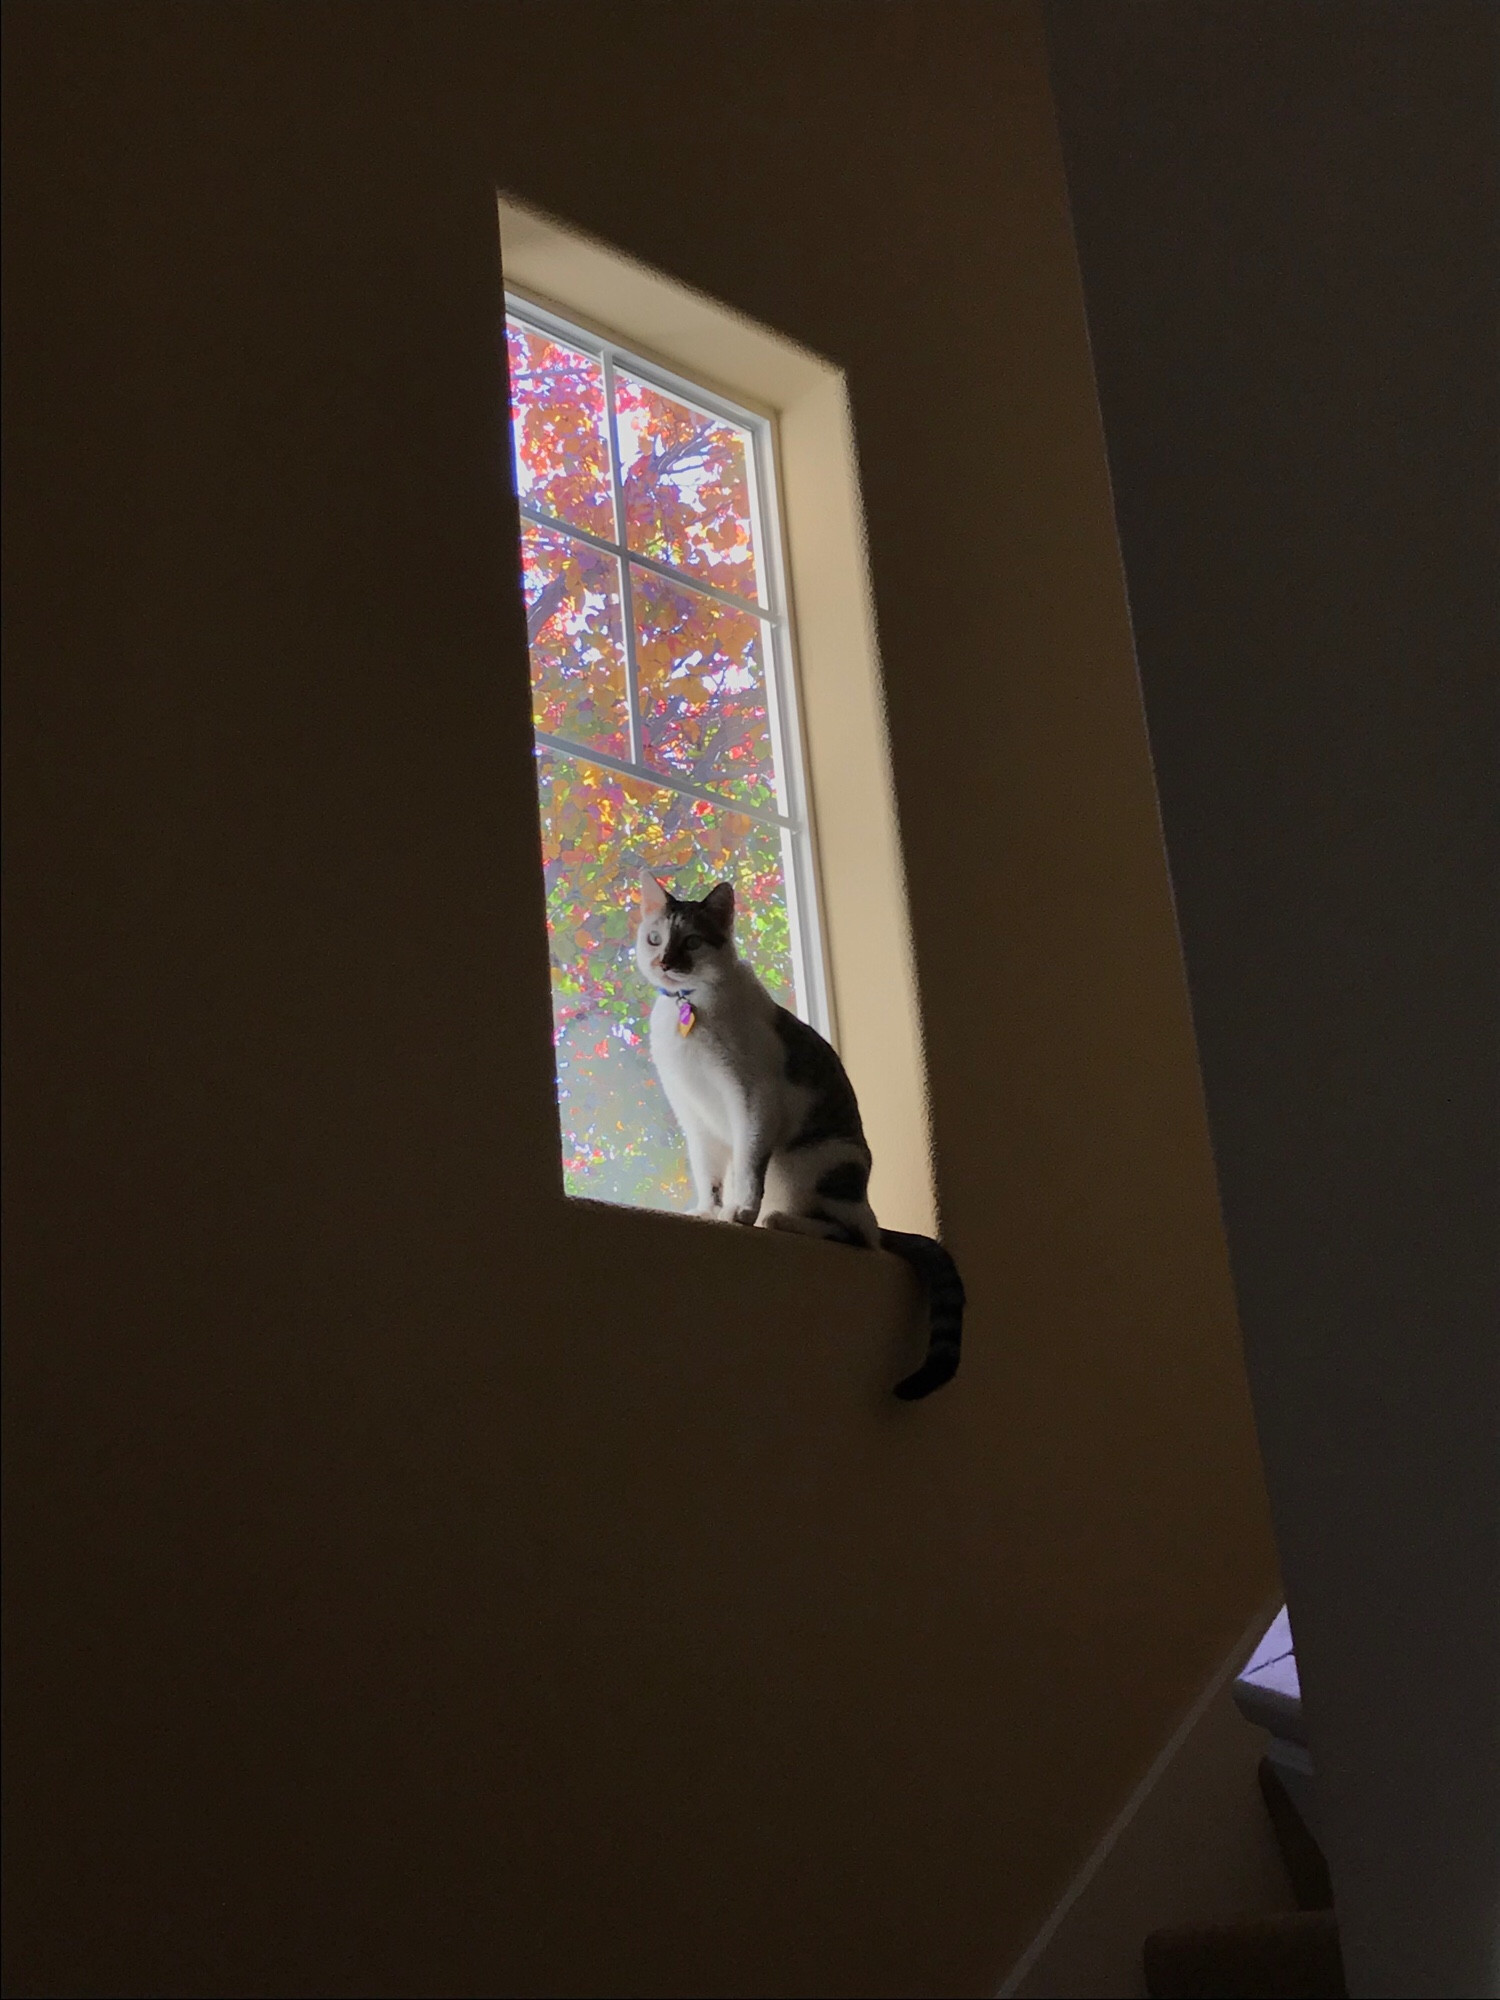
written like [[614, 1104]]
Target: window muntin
[[664, 710]]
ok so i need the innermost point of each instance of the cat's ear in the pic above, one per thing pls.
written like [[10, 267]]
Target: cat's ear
[[719, 903], [653, 896]]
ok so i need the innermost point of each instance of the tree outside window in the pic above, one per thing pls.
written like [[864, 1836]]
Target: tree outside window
[[662, 701]]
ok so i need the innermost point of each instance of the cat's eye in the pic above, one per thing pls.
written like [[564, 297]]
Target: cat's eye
[[653, 937]]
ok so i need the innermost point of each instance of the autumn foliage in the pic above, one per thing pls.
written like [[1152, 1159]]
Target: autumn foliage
[[688, 618]]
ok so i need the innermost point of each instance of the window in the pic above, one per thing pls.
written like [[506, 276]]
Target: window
[[869, 1004], [663, 703]]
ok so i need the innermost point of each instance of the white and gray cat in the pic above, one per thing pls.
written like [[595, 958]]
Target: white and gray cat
[[770, 1118]]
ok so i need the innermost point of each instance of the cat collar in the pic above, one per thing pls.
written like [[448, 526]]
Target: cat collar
[[687, 1018]]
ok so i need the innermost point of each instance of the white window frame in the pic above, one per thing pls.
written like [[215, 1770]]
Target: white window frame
[[792, 817]]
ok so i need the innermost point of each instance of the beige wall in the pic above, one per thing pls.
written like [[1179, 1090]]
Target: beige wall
[[1192, 1844], [405, 1590]]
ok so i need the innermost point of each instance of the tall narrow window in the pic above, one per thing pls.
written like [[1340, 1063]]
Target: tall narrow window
[[664, 706]]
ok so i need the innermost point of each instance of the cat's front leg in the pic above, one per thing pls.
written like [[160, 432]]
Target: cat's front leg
[[709, 1163], [745, 1189]]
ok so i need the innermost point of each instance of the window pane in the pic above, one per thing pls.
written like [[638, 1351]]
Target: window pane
[[599, 830], [687, 487], [557, 406], [573, 626], [701, 680]]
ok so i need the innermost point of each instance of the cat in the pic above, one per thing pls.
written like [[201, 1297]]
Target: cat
[[770, 1117]]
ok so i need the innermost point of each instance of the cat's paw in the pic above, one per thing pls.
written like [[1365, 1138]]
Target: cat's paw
[[745, 1217]]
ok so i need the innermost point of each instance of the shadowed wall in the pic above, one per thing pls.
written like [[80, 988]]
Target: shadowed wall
[[1286, 223], [406, 1591]]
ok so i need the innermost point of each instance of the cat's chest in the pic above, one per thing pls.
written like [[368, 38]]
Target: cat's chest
[[710, 1057], [684, 1040]]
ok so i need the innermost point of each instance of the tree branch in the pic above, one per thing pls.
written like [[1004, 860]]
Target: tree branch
[[554, 595]]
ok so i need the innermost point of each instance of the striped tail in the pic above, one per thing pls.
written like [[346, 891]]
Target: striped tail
[[945, 1310]]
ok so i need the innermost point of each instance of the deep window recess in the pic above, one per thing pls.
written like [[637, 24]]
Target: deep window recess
[[663, 700]]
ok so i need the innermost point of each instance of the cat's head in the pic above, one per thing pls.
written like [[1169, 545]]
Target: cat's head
[[684, 947]]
